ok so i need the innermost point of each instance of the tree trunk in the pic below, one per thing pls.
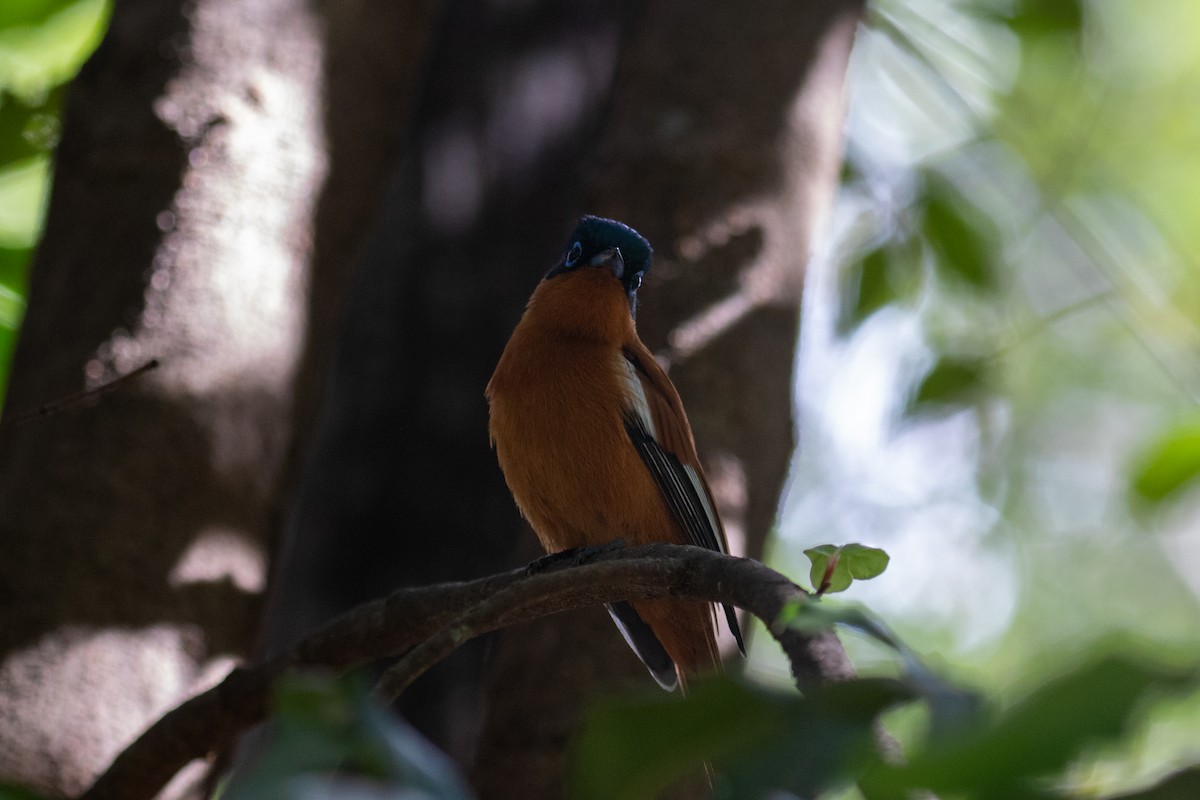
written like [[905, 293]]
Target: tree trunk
[[184, 225], [722, 146], [328, 257]]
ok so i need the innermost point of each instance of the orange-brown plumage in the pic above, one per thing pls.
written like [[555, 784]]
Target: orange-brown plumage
[[567, 398]]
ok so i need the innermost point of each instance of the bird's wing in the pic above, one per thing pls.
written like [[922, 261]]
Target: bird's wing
[[659, 430]]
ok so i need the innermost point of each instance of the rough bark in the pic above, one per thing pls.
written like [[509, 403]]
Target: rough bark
[[183, 224], [722, 146], [329, 287], [402, 488]]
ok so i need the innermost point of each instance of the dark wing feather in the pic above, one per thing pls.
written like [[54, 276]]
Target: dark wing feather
[[662, 437], [645, 644]]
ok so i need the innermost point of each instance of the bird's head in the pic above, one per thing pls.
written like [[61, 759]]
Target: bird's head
[[611, 247]]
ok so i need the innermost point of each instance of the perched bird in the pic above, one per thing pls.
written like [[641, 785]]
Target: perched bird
[[594, 443]]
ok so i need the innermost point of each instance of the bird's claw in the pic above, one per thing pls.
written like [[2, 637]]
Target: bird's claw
[[573, 557]]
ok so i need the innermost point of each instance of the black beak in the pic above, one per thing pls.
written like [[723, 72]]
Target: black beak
[[610, 259]]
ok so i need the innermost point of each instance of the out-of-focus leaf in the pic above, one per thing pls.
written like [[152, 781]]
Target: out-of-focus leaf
[[1169, 464], [329, 739], [1183, 785], [759, 740], [826, 741], [960, 236], [29, 12], [10, 792], [951, 708], [50, 45], [632, 748], [28, 129], [951, 382], [1046, 17], [1038, 736], [890, 273], [864, 289], [22, 192], [849, 562]]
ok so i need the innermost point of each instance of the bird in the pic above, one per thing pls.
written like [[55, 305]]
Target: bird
[[594, 443]]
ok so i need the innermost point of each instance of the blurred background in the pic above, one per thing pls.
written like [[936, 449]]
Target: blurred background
[[999, 365], [1000, 360]]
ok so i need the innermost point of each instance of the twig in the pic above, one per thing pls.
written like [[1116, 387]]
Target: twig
[[432, 620], [63, 403]]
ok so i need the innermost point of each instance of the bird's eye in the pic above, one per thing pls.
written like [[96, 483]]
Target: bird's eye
[[573, 255], [635, 282]]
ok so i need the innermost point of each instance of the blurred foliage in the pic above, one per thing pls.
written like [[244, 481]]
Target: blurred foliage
[[9, 792], [328, 738], [43, 43], [763, 742], [1002, 357]]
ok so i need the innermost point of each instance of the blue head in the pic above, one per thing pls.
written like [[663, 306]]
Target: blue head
[[606, 243]]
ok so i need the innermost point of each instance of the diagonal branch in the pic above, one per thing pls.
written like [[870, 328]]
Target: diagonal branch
[[431, 621]]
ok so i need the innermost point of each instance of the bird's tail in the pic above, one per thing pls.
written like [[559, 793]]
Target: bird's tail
[[687, 631]]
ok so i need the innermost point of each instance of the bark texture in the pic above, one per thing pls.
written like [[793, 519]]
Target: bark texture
[[324, 218], [722, 146], [184, 225]]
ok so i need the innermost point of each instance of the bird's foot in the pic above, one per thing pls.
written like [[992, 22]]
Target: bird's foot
[[573, 557]]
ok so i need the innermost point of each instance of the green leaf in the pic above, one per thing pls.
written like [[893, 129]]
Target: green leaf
[[323, 727], [951, 382], [1047, 17], [1183, 785], [1168, 465], [28, 129], [826, 740], [1040, 735], [951, 709], [759, 740], [15, 13], [835, 567], [22, 193], [45, 46], [960, 236], [11, 792], [829, 574], [864, 289], [632, 748], [888, 274], [864, 562]]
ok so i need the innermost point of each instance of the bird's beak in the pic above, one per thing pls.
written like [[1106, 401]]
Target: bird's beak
[[612, 260]]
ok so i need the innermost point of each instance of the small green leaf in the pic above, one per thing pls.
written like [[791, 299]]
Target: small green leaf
[[888, 274], [864, 562], [829, 574], [864, 289], [1168, 465], [960, 236], [835, 567], [951, 382]]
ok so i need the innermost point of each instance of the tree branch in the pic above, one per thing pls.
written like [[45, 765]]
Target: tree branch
[[429, 622]]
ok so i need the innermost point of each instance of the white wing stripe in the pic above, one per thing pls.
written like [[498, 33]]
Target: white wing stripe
[[713, 525], [640, 406]]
